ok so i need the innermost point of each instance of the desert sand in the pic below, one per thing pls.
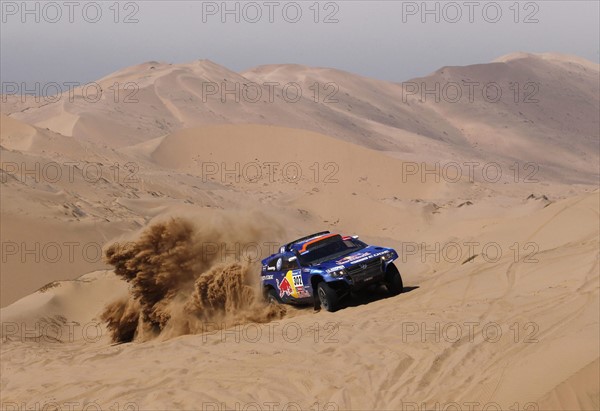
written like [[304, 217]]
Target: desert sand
[[501, 272]]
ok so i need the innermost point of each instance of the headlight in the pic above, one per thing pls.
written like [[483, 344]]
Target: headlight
[[338, 273], [387, 256]]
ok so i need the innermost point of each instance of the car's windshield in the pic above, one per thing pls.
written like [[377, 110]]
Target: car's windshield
[[330, 250]]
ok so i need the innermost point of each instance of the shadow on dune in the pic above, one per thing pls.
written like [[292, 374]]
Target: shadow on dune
[[370, 295]]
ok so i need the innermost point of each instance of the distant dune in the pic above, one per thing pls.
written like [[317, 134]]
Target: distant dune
[[522, 107]]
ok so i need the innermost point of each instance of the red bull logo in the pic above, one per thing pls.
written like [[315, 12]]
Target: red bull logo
[[285, 288], [291, 285]]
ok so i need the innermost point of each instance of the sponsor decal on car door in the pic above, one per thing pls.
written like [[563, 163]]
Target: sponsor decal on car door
[[292, 285]]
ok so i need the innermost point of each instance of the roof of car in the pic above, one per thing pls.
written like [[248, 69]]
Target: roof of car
[[305, 244], [302, 245]]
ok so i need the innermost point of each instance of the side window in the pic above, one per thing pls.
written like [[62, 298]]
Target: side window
[[272, 266], [290, 265]]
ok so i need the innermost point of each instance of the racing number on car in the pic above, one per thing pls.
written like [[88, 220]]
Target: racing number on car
[[298, 285]]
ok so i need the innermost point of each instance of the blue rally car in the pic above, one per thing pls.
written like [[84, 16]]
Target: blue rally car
[[322, 268]]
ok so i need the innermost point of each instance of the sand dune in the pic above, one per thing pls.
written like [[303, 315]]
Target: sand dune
[[504, 111], [533, 335], [502, 293]]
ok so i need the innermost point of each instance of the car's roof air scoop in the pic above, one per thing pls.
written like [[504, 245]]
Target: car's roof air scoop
[[288, 246]]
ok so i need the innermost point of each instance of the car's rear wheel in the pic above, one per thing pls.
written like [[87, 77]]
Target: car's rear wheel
[[327, 297], [272, 297], [393, 280]]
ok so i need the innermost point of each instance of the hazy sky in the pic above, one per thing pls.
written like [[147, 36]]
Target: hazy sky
[[392, 40]]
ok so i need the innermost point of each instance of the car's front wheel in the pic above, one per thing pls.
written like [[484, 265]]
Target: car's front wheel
[[327, 297], [393, 280]]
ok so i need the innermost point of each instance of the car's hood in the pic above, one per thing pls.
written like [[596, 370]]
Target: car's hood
[[352, 259]]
